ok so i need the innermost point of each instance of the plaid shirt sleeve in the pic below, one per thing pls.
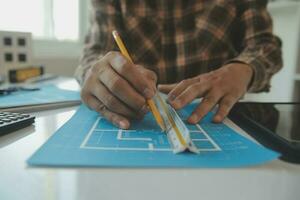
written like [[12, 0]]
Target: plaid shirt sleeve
[[260, 48], [205, 35], [98, 41], [92, 50]]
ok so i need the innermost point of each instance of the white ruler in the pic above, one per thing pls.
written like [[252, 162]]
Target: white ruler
[[178, 134]]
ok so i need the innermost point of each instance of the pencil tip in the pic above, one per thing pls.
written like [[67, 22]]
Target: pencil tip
[[115, 33]]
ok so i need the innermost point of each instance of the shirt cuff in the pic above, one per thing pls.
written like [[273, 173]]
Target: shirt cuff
[[259, 82]]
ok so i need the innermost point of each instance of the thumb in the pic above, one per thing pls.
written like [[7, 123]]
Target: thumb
[[166, 88]]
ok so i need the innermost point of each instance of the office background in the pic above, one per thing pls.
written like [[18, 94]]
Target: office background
[[59, 26]]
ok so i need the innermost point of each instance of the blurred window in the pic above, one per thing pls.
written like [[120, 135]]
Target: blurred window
[[45, 19]]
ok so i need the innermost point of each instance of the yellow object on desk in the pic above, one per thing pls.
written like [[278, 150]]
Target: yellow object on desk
[[150, 102]]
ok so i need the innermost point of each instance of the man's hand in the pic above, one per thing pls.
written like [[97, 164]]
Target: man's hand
[[224, 86], [118, 89]]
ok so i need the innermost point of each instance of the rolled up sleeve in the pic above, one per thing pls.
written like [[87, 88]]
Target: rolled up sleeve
[[260, 48]]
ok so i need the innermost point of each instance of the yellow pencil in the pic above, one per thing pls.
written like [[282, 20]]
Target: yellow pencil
[[150, 102]]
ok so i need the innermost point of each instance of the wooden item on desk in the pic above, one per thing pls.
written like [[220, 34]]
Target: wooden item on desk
[[21, 75]]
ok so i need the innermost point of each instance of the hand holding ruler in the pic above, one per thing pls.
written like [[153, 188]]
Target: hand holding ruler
[[165, 115]]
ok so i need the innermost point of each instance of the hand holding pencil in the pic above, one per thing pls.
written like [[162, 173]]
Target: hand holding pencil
[[118, 89], [150, 102]]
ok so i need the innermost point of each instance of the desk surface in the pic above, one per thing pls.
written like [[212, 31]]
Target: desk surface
[[276, 180]]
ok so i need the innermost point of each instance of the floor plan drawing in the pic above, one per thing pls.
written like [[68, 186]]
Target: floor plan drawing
[[104, 136], [89, 140]]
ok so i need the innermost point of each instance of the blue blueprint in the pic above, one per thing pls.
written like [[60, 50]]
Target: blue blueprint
[[88, 140], [46, 94]]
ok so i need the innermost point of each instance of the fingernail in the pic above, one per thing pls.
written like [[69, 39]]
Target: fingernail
[[176, 103], [171, 97], [217, 119], [123, 124], [193, 119], [144, 109], [118, 61], [148, 93]]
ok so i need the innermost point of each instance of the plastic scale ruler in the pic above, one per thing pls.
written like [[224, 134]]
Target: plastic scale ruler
[[178, 134]]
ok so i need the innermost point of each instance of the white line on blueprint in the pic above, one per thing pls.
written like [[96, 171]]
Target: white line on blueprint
[[129, 139], [139, 149], [150, 144], [210, 139], [200, 140], [151, 147], [127, 148], [101, 130], [83, 144]]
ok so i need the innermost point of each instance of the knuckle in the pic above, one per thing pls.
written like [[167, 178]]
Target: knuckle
[[194, 88], [139, 104], [112, 54], [119, 62], [187, 81], [101, 72], [218, 84], [210, 99], [111, 102], [124, 67], [183, 82], [114, 119], [197, 78], [114, 83], [142, 103], [227, 103], [100, 108], [152, 75], [96, 67], [84, 95], [218, 91]]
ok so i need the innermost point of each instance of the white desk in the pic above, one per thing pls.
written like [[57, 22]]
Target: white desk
[[276, 180]]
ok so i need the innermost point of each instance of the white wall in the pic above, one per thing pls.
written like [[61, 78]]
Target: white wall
[[62, 66], [62, 58], [59, 58]]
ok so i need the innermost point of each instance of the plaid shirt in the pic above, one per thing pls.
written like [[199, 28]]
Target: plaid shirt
[[180, 39]]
